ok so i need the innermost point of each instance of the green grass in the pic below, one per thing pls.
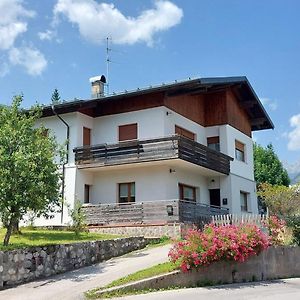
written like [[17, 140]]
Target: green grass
[[142, 274], [146, 273], [164, 240], [31, 237]]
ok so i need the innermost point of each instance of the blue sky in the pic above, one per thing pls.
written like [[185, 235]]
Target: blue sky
[[61, 44]]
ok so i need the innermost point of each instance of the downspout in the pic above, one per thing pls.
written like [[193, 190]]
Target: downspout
[[64, 163]]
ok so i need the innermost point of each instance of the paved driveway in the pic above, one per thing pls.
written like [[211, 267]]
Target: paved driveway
[[72, 285], [287, 289]]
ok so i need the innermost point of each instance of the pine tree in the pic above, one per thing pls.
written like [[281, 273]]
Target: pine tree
[[55, 98]]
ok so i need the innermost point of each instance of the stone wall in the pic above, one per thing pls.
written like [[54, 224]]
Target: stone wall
[[23, 265], [273, 263], [155, 230]]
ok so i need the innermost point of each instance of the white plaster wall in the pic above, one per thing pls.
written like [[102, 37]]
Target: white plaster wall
[[172, 118], [240, 168], [150, 125], [84, 121], [70, 178], [239, 184], [189, 178], [59, 129], [75, 121], [151, 184]]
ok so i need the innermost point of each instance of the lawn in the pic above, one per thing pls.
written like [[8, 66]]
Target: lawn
[[39, 237], [159, 269]]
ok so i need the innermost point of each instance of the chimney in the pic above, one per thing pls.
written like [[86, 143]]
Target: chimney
[[97, 84]]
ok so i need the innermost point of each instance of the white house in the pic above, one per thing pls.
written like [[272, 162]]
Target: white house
[[188, 141]]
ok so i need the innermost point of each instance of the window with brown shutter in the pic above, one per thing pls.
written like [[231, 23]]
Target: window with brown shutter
[[183, 132], [128, 132], [213, 143], [239, 151], [187, 192], [127, 192], [86, 136]]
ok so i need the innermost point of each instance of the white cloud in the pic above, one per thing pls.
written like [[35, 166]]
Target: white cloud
[[96, 21], [30, 58], [294, 135], [4, 69], [272, 105], [12, 23], [46, 35]]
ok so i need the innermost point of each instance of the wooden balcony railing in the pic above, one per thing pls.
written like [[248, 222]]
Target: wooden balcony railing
[[152, 150], [151, 212]]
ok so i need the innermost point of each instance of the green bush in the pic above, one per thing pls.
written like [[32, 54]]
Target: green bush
[[78, 218], [294, 223]]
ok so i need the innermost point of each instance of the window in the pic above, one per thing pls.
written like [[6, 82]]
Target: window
[[86, 140], [244, 201], [86, 193], [183, 132], [187, 192], [239, 151], [126, 192], [128, 132], [213, 143]]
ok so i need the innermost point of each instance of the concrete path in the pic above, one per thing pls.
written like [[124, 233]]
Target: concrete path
[[72, 285], [286, 289]]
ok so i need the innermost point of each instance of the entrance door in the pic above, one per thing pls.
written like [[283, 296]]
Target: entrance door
[[215, 198]]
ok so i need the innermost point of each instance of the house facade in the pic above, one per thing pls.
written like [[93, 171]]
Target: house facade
[[188, 141]]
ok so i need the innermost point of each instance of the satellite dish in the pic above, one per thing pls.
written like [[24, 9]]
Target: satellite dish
[[103, 79]]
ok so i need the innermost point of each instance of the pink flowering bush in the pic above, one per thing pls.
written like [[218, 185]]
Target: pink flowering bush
[[230, 242], [276, 228]]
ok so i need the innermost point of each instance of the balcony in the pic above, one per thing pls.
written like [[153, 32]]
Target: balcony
[[137, 151], [151, 212]]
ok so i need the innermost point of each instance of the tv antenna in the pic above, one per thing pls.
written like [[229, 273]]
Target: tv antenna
[[108, 61]]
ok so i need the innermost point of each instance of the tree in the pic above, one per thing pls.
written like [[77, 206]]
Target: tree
[[268, 168], [281, 200], [29, 175], [55, 98]]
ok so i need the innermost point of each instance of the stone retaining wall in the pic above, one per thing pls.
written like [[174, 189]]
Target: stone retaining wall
[[274, 263], [148, 230], [23, 265]]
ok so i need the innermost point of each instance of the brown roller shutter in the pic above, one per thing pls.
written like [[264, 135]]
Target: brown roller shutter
[[128, 132], [86, 136], [213, 140], [183, 132], [240, 146]]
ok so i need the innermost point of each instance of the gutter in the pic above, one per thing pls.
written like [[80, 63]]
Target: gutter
[[64, 163]]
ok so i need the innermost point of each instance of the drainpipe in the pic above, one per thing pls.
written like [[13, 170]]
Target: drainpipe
[[64, 163]]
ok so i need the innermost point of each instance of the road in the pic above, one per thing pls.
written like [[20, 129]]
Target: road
[[72, 285], [287, 289]]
